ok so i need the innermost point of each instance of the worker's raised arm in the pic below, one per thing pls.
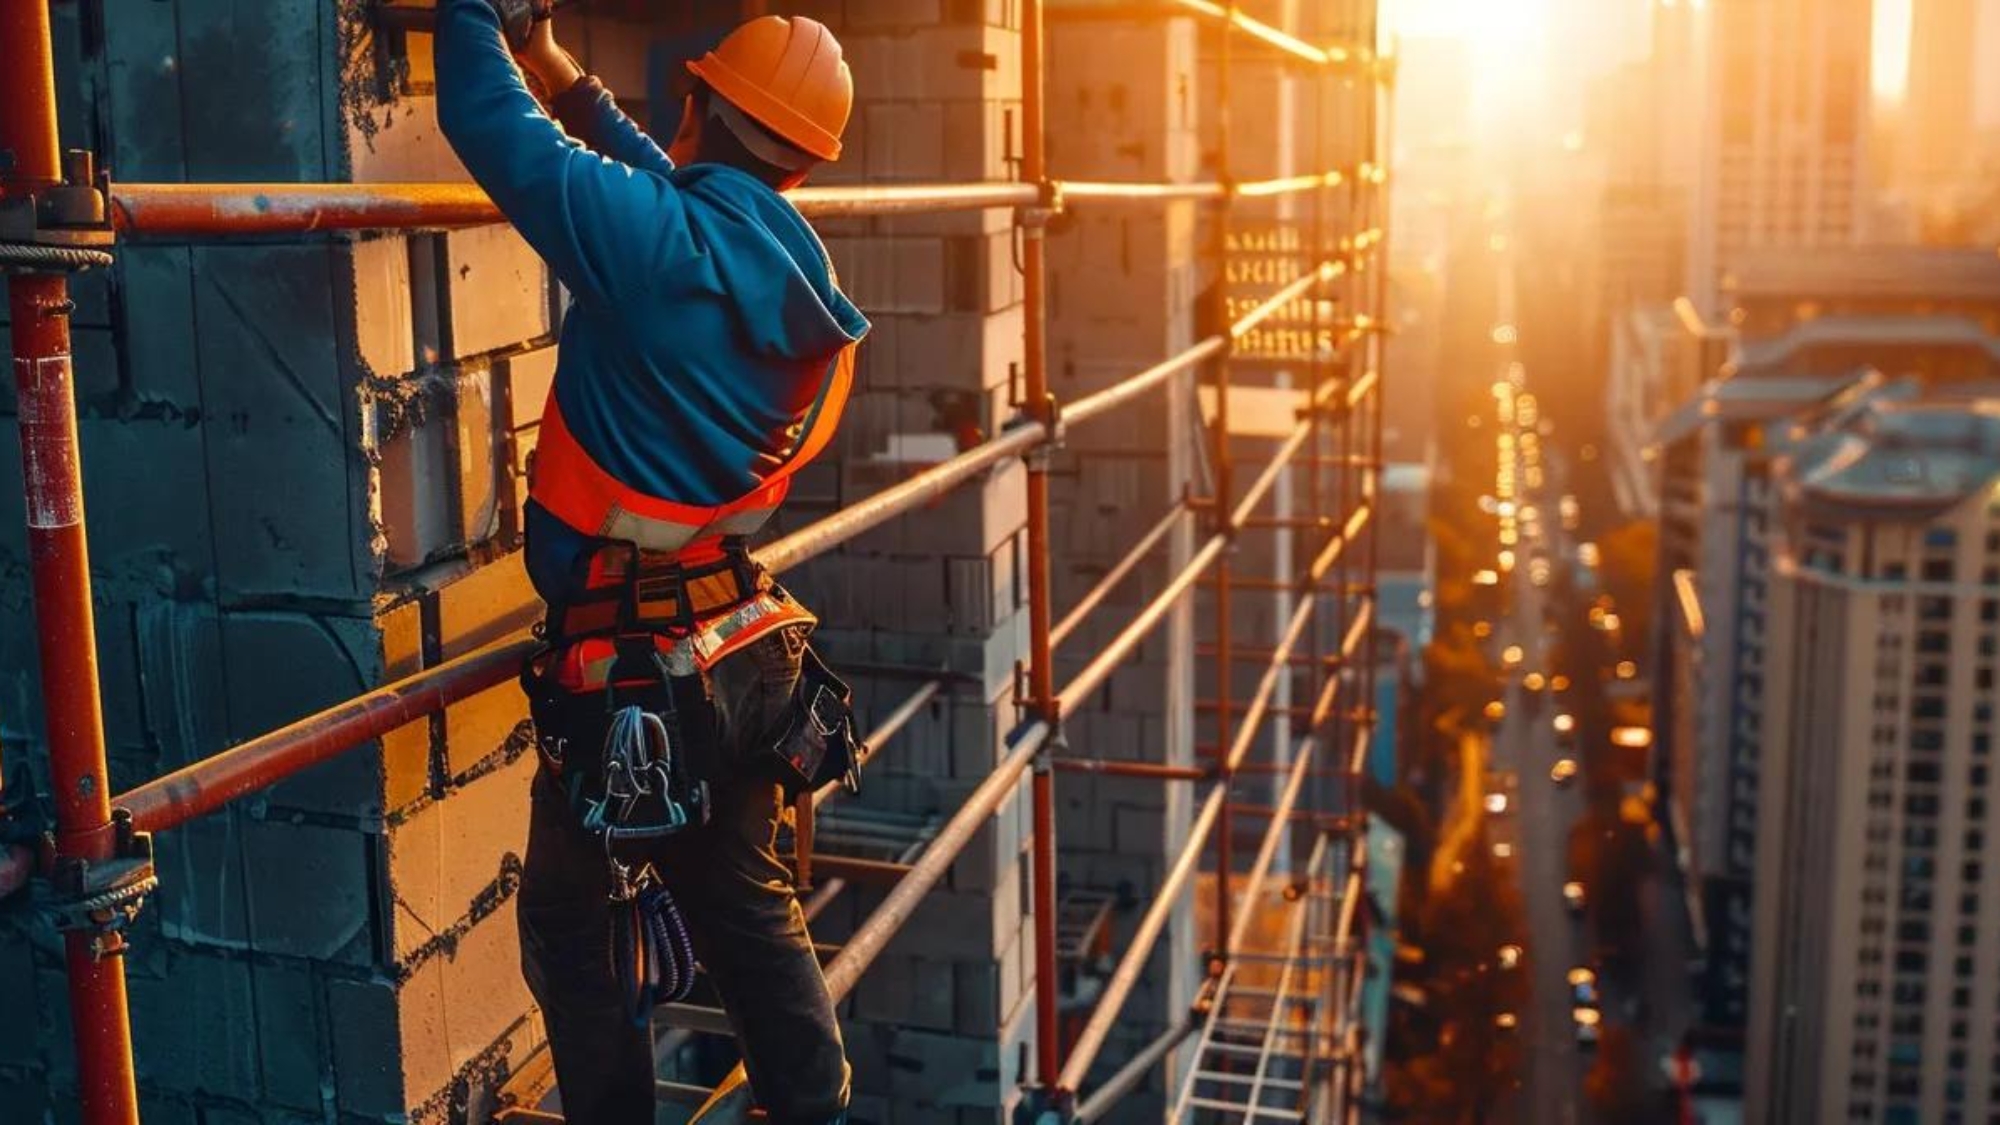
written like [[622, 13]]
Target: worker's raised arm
[[586, 109], [602, 224]]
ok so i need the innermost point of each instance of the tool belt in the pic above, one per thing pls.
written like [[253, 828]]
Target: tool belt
[[628, 590], [623, 710]]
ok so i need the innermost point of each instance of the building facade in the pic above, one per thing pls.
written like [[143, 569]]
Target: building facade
[[1812, 336], [1785, 104], [1877, 915]]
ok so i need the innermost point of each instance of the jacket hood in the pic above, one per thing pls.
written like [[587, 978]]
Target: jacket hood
[[769, 263]]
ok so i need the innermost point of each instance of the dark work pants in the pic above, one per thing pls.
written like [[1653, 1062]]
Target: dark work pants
[[741, 911]]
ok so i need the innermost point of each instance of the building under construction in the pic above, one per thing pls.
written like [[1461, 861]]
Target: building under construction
[[1094, 545]]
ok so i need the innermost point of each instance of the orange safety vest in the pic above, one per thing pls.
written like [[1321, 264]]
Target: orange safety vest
[[578, 491], [570, 483]]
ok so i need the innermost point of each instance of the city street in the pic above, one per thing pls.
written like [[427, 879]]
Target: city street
[[1537, 825]]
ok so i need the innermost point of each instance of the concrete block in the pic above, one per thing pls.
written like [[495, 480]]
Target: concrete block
[[904, 141], [893, 15], [142, 96], [154, 1108], [413, 852], [203, 900], [407, 750], [980, 141], [911, 992], [483, 833], [400, 142], [977, 517], [183, 704], [995, 852], [281, 667], [497, 290], [485, 994], [157, 289], [383, 333], [478, 728], [963, 351], [144, 545], [944, 1071], [287, 1033], [389, 1041], [483, 605], [530, 378], [307, 891], [118, 688], [284, 470], [190, 1047], [1138, 829], [975, 997], [59, 1058], [415, 472], [476, 444], [934, 62], [259, 115], [958, 926]]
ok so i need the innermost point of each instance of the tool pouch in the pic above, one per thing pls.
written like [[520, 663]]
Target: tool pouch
[[634, 757], [818, 743]]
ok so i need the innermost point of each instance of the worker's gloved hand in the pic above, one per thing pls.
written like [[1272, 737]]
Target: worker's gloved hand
[[518, 19], [544, 58]]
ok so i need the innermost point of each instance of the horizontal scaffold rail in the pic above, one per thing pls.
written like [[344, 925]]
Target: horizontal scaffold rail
[[1233, 18], [227, 210]]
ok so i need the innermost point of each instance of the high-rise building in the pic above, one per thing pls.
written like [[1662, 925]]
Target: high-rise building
[[1811, 336], [1877, 909], [1786, 117]]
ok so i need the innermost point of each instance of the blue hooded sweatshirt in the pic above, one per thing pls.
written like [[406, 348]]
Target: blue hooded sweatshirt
[[698, 294]]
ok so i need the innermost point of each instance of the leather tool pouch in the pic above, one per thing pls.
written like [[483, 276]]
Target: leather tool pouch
[[634, 757], [818, 743]]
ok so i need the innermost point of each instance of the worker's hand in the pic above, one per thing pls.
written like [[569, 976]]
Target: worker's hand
[[16, 864], [547, 61]]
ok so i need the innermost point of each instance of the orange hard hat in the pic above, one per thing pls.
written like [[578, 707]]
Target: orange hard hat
[[788, 75]]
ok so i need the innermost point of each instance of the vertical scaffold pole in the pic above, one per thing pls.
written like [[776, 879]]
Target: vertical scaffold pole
[[1041, 656], [1224, 496], [39, 305]]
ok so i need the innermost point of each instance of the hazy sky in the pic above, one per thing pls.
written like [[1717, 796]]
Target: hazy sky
[[1520, 47], [1522, 54]]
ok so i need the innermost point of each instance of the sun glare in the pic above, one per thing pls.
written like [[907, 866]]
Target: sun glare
[[1891, 64], [1491, 26]]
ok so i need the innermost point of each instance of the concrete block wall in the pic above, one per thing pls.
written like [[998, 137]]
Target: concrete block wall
[[301, 460], [939, 1030], [1124, 103]]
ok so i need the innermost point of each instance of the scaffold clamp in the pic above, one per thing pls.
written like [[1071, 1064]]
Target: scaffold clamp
[[104, 897], [60, 228], [1049, 413]]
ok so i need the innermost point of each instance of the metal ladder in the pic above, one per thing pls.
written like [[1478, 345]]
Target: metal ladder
[[1260, 1046]]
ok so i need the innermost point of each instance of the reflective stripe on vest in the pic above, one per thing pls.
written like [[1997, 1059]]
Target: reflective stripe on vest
[[583, 494]]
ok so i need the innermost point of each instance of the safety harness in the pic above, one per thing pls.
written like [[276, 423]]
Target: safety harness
[[620, 694]]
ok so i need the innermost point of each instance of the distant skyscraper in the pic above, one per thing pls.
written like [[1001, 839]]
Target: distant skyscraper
[[1812, 332], [1939, 131], [1785, 131], [1878, 904]]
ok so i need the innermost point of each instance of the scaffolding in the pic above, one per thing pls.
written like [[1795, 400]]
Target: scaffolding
[[1287, 1016]]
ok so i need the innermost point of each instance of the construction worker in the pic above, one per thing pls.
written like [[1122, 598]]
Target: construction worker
[[705, 356]]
